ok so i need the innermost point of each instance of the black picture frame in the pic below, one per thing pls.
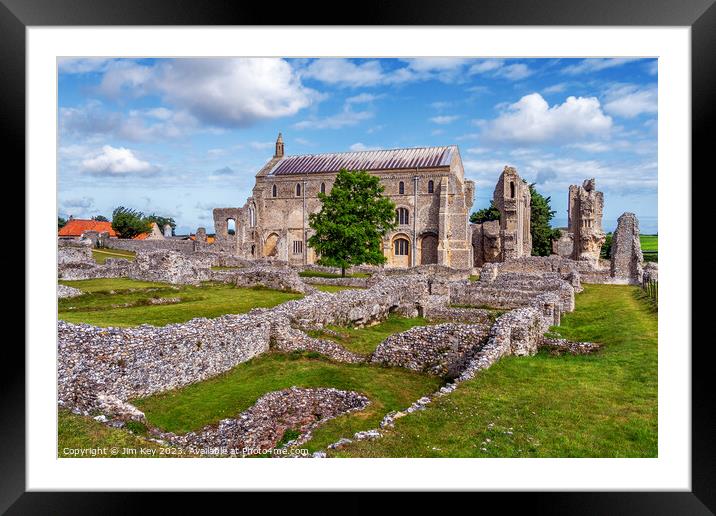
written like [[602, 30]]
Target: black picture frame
[[700, 15]]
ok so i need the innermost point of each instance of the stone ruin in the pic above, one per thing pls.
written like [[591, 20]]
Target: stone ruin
[[585, 207], [626, 256], [510, 237]]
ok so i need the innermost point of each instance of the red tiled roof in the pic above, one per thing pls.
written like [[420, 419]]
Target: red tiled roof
[[141, 236], [75, 227]]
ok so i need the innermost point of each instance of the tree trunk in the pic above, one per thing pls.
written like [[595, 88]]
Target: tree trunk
[[343, 272]]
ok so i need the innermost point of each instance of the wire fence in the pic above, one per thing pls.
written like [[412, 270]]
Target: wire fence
[[651, 287]]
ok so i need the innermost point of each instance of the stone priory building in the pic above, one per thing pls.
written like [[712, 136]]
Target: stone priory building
[[427, 184]]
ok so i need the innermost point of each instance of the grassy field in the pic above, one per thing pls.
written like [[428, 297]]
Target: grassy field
[[602, 405], [322, 274], [101, 255], [124, 302], [79, 432], [650, 247], [365, 340], [195, 406], [649, 242]]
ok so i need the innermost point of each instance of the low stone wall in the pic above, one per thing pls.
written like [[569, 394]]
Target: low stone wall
[[443, 349], [500, 296], [112, 268], [340, 282], [72, 254], [277, 278], [441, 313], [125, 363], [405, 295], [170, 266], [262, 426], [182, 246], [64, 291]]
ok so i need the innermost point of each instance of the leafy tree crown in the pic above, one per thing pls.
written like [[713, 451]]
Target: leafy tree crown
[[354, 218]]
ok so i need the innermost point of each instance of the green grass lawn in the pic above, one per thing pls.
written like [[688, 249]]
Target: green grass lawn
[[649, 242], [365, 340], [322, 274], [602, 405], [124, 302], [193, 407], [80, 432], [101, 255], [334, 288]]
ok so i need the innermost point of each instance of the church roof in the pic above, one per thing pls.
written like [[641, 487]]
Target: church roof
[[391, 159]]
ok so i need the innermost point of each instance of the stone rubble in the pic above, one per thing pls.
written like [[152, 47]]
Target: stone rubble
[[262, 426], [63, 291]]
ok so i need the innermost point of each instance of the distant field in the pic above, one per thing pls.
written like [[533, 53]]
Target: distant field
[[649, 242], [650, 247], [101, 255]]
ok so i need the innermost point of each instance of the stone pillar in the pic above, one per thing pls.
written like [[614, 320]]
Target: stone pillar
[[627, 259], [512, 198], [585, 221]]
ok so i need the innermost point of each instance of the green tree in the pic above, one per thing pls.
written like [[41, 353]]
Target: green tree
[[61, 222], [353, 220], [100, 218], [485, 214], [162, 221], [606, 251], [541, 214], [129, 223]]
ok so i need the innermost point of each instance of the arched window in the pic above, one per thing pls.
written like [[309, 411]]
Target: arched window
[[252, 217], [512, 189], [401, 246], [431, 186], [273, 191], [230, 226], [253, 250], [402, 216], [323, 188], [401, 188], [298, 190]]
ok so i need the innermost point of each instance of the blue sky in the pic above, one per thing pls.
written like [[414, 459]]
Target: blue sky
[[179, 137]]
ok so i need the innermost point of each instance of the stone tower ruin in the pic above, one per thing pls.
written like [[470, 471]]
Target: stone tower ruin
[[512, 198], [585, 208]]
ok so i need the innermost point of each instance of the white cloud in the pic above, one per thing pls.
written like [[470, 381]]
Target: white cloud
[[498, 68], [591, 147], [345, 118], [444, 119], [261, 145], [531, 119], [82, 203], [343, 72], [363, 98], [436, 64], [153, 124], [76, 65], [225, 92], [629, 100], [356, 147], [112, 161], [556, 88], [595, 65]]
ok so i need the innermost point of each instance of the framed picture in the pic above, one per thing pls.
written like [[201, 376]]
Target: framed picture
[[429, 240]]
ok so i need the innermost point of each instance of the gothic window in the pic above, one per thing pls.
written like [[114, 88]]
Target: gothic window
[[401, 188], [402, 216], [297, 247], [323, 188], [512, 189], [252, 217], [253, 250], [273, 191], [231, 226], [298, 190], [431, 186], [401, 247]]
